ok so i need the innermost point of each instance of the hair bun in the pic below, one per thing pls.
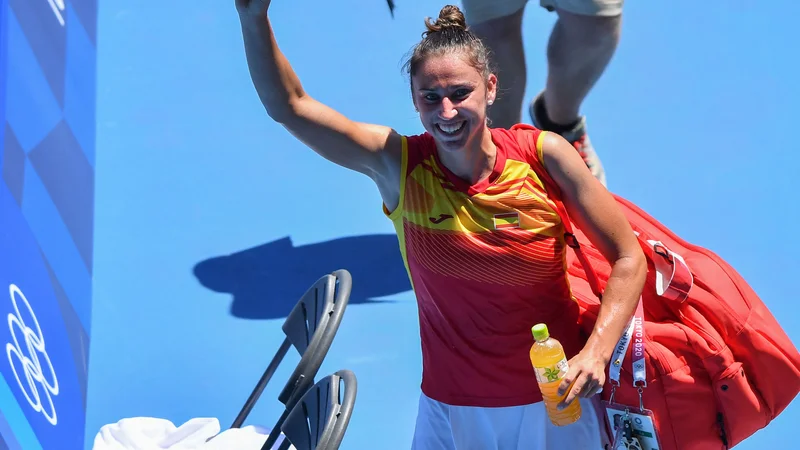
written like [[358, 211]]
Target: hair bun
[[450, 17]]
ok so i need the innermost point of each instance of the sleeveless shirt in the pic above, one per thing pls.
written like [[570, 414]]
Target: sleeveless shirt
[[486, 261]]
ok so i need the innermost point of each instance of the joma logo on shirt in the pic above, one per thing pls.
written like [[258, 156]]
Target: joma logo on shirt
[[440, 219]]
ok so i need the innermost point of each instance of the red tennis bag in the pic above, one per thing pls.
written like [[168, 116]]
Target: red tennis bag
[[718, 365]]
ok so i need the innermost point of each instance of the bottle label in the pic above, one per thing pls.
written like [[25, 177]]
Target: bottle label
[[552, 373]]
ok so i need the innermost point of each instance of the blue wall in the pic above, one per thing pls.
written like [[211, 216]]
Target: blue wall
[[46, 220]]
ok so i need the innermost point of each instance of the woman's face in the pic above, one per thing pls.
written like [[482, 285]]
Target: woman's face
[[452, 97]]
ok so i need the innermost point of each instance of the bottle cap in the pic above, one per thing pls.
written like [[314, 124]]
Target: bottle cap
[[540, 332]]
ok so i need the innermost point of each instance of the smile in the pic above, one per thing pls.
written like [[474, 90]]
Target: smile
[[450, 128]]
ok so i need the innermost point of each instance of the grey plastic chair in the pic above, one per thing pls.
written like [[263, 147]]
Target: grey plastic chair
[[319, 420], [310, 328]]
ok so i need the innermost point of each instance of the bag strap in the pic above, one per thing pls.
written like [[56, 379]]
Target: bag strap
[[674, 278]]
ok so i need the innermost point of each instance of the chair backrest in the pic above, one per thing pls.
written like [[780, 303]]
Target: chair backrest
[[310, 329], [320, 419]]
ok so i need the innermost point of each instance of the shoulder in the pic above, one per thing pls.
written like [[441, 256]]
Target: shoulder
[[564, 165], [553, 148], [401, 148], [417, 147], [422, 141], [521, 142]]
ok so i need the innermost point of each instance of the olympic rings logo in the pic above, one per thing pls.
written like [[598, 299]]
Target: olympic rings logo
[[40, 387]]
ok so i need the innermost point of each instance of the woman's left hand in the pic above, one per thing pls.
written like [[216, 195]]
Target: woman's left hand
[[584, 378], [594, 210]]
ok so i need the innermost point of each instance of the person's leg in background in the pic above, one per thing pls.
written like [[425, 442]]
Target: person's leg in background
[[581, 45], [499, 25]]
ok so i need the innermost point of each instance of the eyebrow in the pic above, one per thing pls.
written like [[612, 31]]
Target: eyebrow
[[454, 87]]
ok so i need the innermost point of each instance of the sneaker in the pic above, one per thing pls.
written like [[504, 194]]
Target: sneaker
[[577, 136]]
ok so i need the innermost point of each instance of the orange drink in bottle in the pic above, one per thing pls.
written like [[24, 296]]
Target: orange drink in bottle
[[550, 364]]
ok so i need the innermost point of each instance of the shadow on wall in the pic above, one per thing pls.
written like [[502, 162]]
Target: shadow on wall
[[266, 281]]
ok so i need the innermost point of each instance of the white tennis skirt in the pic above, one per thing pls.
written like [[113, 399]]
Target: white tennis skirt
[[444, 427]]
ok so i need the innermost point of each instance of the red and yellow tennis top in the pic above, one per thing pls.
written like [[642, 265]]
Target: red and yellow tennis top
[[487, 262]]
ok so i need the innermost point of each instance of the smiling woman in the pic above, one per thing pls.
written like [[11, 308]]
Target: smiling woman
[[481, 240], [452, 84]]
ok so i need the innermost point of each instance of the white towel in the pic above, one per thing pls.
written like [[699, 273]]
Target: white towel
[[150, 433]]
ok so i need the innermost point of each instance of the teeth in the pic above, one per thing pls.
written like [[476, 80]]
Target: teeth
[[451, 128]]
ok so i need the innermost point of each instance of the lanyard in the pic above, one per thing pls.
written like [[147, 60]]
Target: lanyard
[[635, 333]]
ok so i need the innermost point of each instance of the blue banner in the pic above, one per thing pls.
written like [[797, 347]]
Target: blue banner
[[47, 112], [3, 71]]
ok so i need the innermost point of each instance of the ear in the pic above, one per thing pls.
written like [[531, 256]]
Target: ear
[[491, 88]]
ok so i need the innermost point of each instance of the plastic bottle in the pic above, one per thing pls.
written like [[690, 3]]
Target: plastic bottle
[[550, 364]]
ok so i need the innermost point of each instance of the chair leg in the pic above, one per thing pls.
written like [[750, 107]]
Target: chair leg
[[275, 431], [285, 444], [262, 383]]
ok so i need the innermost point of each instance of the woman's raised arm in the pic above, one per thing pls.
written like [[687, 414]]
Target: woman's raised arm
[[373, 150]]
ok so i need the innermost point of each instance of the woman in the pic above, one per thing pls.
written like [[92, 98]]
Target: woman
[[482, 243]]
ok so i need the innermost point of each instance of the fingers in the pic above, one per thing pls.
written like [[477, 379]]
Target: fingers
[[571, 385], [568, 379], [252, 7], [590, 389], [574, 392], [585, 385]]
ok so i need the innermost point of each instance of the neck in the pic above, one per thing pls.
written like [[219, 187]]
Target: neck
[[476, 161]]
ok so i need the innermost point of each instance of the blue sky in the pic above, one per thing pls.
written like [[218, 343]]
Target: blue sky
[[693, 122]]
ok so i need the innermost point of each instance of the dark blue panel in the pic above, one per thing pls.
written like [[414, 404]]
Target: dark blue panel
[[3, 444], [32, 109], [3, 73], [78, 338], [46, 34], [69, 179], [7, 433], [12, 164], [57, 244], [86, 11], [79, 95]]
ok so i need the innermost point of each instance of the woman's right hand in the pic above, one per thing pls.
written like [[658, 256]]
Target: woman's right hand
[[252, 8]]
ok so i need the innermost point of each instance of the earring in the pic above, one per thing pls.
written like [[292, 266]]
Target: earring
[[491, 101]]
